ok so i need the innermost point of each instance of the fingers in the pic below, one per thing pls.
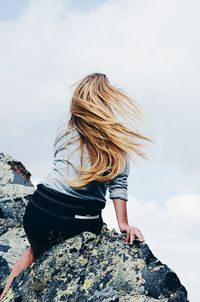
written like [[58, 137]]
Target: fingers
[[139, 235], [127, 237], [132, 237], [134, 233]]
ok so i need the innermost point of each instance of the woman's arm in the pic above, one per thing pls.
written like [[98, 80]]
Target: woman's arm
[[121, 211], [122, 219]]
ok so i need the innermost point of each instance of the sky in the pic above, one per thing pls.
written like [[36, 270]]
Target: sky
[[150, 49]]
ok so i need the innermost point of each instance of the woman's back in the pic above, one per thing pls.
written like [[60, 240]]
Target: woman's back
[[67, 161]]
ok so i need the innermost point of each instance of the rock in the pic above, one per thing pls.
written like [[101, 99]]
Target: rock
[[84, 268], [15, 186]]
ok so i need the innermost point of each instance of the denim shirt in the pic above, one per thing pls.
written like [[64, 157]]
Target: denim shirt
[[65, 166]]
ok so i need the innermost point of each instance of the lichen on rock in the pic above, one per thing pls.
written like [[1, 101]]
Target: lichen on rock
[[84, 268]]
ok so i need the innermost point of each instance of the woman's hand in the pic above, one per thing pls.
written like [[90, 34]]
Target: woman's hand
[[131, 233]]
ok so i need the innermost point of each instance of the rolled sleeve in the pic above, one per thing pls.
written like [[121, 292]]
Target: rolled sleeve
[[118, 186]]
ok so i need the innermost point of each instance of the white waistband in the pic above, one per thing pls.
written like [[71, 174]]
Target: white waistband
[[86, 216]]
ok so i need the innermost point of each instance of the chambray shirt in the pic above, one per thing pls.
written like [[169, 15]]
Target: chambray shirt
[[65, 165]]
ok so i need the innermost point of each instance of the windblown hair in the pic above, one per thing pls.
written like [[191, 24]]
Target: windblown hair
[[96, 109]]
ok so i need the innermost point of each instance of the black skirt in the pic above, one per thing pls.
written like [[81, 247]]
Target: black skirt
[[51, 216]]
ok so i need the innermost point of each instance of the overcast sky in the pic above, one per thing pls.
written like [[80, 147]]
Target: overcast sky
[[151, 50]]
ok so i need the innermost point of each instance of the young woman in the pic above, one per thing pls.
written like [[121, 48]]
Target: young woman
[[92, 152]]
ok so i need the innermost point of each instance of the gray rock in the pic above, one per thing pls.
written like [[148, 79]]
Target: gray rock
[[86, 267], [15, 186]]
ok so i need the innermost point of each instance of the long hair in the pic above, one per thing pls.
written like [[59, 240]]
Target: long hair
[[96, 109]]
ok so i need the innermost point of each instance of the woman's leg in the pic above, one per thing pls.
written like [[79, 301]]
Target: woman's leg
[[23, 262]]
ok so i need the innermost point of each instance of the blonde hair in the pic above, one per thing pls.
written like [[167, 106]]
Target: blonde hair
[[95, 108]]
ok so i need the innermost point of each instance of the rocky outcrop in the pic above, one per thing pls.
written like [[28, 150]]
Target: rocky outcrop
[[15, 188], [84, 268], [15, 185]]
